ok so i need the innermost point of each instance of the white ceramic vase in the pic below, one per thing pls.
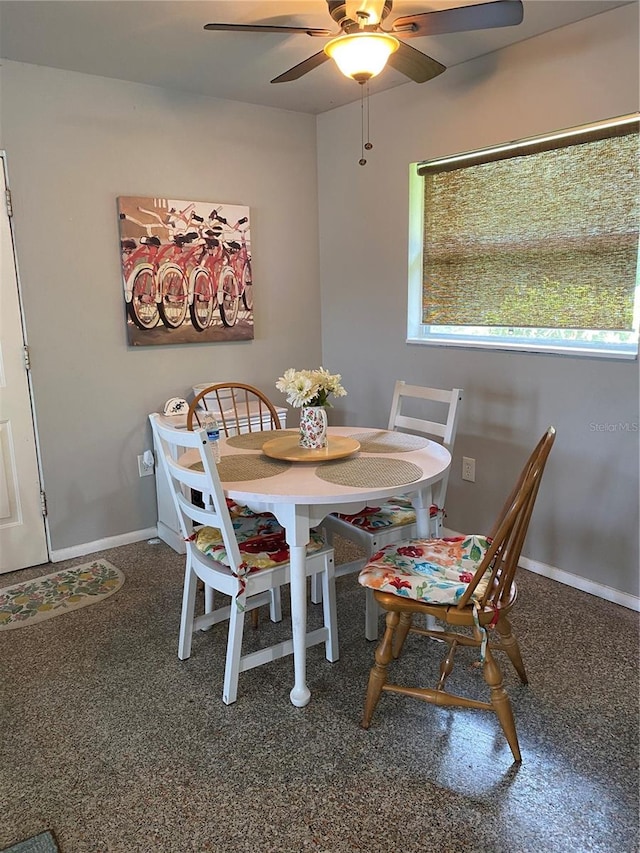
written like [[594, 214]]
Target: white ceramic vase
[[313, 427]]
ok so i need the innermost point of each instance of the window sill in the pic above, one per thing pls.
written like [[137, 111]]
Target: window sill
[[630, 354]]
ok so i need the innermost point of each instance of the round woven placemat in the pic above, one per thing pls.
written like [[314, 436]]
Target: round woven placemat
[[247, 467], [389, 442], [255, 440], [369, 473]]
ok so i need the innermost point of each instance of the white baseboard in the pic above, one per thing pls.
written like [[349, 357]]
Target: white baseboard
[[102, 544], [584, 584], [600, 590]]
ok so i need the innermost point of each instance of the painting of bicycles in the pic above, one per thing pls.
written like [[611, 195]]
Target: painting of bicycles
[[186, 271]]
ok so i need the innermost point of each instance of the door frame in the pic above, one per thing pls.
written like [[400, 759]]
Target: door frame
[[23, 328]]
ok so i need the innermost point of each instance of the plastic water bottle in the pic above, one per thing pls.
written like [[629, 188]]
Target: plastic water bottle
[[210, 423]]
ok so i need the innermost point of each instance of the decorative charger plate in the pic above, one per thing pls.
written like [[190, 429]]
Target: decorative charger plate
[[287, 447]]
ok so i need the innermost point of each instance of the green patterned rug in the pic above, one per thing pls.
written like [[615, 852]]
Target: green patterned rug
[[69, 589]]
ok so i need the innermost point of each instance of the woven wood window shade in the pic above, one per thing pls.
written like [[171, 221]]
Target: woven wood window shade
[[542, 236]]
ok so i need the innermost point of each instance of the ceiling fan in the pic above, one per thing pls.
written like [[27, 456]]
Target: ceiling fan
[[361, 47]]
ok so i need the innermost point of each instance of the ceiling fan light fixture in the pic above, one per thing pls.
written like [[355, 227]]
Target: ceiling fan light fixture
[[361, 55]]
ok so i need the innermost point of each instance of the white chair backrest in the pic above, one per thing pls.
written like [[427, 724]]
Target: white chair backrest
[[444, 429], [172, 443]]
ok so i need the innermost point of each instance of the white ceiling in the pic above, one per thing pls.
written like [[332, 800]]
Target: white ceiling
[[162, 43]]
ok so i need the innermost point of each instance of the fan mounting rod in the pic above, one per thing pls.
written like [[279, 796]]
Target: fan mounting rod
[[351, 15], [364, 12]]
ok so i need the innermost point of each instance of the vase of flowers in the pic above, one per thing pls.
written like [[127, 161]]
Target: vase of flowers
[[313, 427], [309, 391]]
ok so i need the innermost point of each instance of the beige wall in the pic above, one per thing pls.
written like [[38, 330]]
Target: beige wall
[[74, 143], [586, 522]]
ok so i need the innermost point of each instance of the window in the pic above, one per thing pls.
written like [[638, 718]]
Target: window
[[531, 245]]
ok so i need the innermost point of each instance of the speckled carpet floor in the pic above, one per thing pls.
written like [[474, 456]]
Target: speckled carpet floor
[[116, 746]]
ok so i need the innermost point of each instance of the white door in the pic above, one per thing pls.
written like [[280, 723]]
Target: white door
[[23, 540]]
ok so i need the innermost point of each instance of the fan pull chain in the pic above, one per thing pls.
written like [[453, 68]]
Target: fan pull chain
[[364, 119]]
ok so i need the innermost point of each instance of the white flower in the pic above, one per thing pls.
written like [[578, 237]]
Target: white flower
[[309, 387]]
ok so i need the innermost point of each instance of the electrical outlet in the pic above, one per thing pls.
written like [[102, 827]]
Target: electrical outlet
[[468, 469], [146, 464]]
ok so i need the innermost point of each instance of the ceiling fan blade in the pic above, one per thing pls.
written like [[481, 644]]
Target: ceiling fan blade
[[500, 13], [302, 68], [266, 28], [415, 64]]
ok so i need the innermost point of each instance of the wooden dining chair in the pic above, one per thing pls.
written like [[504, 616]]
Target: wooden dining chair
[[245, 558], [238, 407], [429, 412], [467, 582]]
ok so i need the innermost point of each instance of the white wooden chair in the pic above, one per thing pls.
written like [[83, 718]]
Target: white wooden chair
[[215, 555], [238, 408], [374, 527]]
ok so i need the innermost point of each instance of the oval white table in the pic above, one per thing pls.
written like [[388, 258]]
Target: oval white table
[[301, 494]]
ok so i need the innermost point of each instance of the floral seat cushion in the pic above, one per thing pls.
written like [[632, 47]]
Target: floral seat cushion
[[236, 510], [260, 538], [392, 513], [436, 571], [240, 511]]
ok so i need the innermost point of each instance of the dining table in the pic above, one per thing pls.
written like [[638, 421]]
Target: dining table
[[269, 472]]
